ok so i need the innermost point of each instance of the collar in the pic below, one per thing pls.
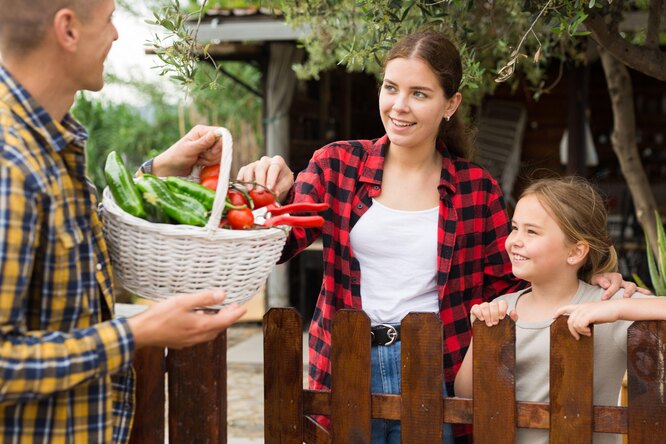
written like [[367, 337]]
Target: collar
[[24, 107], [374, 165]]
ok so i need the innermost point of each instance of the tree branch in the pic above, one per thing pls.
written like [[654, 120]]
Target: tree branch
[[649, 61], [654, 20]]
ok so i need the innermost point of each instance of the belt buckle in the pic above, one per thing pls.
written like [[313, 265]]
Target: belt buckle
[[391, 332]]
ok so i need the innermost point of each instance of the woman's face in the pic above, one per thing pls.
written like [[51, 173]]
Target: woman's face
[[412, 103]]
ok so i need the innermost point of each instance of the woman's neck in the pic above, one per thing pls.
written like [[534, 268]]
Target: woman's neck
[[419, 159]]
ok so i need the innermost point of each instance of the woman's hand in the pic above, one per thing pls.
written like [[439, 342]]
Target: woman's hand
[[272, 172], [582, 315], [612, 282], [200, 146], [491, 312]]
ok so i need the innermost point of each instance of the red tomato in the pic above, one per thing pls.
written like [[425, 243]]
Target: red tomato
[[236, 198], [261, 197], [210, 182], [240, 219], [208, 172]]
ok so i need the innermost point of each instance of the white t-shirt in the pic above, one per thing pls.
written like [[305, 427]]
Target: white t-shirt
[[533, 361], [397, 253]]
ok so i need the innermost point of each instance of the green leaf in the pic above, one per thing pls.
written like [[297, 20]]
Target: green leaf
[[661, 244], [657, 281], [639, 281]]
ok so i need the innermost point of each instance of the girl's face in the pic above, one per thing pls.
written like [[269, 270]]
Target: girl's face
[[412, 103], [537, 247]]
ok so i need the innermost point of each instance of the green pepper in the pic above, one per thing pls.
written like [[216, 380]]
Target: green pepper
[[204, 195], [154, 212], [173, 207], [191, 203], [122, 186]]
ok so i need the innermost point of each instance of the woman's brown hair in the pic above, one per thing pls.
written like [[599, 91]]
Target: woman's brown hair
[[579, 211], [434, 48]]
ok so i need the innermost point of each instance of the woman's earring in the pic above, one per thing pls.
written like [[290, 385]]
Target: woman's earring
[[447, 118]]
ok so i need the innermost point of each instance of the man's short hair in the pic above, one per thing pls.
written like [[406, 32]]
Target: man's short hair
[[23, 24]]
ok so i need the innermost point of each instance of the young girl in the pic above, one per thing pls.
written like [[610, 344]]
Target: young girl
[[558, 241]]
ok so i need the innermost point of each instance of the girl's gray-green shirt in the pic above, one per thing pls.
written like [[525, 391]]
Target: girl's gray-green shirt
[[533, 361]]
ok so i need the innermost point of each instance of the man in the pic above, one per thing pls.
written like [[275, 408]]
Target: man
[[59, 343]]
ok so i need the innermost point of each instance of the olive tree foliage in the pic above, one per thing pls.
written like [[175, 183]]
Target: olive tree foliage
[[503, 40]]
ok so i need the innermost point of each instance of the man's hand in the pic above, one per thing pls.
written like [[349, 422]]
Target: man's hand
[[202, 145], [175, 323]]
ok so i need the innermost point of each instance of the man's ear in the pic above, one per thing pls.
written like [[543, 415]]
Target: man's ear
[[578, 253], [65, 27]]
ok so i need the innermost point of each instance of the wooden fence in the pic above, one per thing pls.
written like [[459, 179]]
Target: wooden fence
[[197, 394], [494, 413]]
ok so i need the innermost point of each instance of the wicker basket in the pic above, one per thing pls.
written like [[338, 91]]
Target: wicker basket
[[157, 261]]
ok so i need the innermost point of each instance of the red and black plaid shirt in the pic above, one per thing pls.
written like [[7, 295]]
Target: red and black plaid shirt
[[473, 266]]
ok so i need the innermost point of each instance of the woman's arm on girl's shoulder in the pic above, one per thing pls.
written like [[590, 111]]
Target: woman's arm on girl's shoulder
[[612, 282], [582, 315], [462, 386]]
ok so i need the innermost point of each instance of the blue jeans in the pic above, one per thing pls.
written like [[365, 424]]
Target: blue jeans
[[385, 378]]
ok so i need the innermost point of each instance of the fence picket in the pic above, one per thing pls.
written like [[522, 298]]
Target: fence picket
[[571, 385], [149, 365], [283, 377], [350, 378], [422, 378], [494, 387], [198, 393], [646, 355]]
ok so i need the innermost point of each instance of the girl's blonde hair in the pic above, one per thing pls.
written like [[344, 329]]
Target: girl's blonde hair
[[579, 210]]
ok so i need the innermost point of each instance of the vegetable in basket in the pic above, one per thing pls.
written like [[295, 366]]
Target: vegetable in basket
[[181, 186], [173, 207], [122, 186]]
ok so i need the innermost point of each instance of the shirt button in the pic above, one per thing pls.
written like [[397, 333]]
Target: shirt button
[[359, 206], [376, 187], [99, 267]]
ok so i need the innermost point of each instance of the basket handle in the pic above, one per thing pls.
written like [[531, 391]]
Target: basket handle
[[223, 181]]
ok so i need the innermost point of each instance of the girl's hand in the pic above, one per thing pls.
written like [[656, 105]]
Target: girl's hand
[[491, 312], [272, 172], [612, 282], [582, 315]]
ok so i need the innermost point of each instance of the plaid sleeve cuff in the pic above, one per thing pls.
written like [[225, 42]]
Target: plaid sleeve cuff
[[115, 346], [146, 167]]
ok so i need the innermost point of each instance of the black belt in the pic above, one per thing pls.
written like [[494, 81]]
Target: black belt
[[385, 334]]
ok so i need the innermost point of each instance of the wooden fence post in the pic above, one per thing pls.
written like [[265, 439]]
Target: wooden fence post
[[494, 382], [283, 376], [422, 378], [350, 378], [646, 355], [571, 385], [198, 393], [148, 428]]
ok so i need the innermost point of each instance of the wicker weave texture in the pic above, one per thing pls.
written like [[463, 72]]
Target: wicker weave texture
[[157, 261]]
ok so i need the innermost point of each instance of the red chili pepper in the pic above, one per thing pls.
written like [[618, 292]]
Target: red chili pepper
[[299, 207], [295, 221]]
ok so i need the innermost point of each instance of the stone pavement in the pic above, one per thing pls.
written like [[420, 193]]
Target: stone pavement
[[245, 383]]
